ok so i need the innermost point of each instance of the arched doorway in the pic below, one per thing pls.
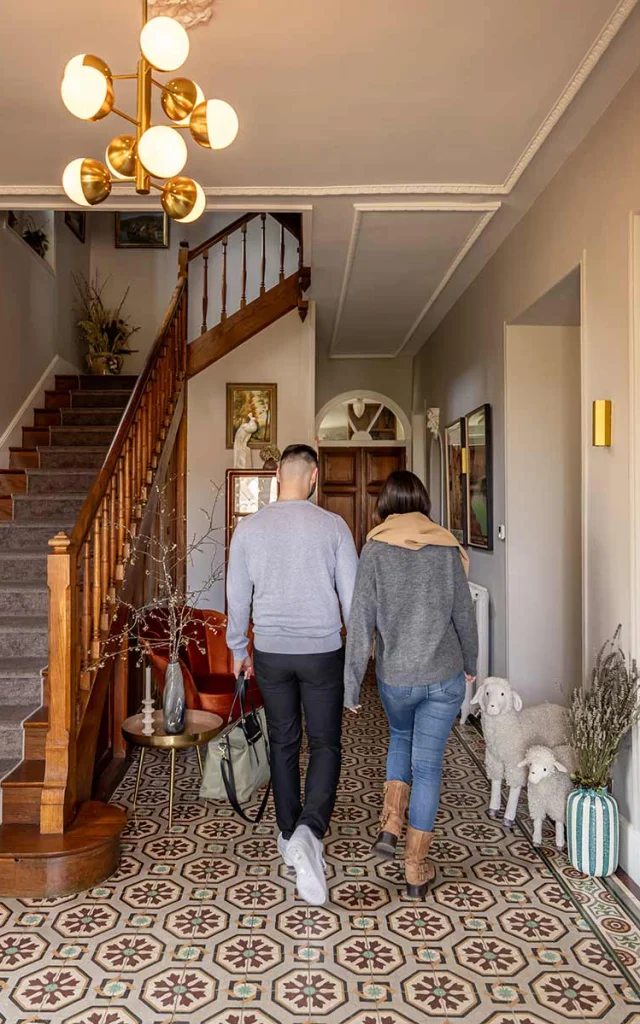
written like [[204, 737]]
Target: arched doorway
[[362, 437]]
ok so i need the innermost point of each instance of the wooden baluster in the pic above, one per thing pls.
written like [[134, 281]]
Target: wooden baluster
[[153, 398], [57, 802], [95, 594], [223, 312], [85, 627], [243, 298], [263, 218], [120, 696], [282, 252], [137, 492], [121, 537], [205, 292], [129, 526], [113, 535], [104, 567]]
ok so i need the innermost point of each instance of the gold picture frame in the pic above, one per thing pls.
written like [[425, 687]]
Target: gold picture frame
[[259, 401], [137, 229]]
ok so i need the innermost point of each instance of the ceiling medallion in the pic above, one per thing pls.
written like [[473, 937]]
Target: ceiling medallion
[[188, 12], [154, 151]]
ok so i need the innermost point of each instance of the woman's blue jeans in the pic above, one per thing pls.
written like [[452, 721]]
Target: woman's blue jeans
[[420, 720]]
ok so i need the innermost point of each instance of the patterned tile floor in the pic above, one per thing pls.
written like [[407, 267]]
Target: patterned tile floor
[[203, 924]]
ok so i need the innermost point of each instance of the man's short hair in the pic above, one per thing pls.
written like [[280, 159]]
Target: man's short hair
[[300, 453]]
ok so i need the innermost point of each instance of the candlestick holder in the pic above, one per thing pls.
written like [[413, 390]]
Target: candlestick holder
[[147, 716]]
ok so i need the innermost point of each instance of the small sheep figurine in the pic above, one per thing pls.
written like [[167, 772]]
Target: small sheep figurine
[[509, 731], [548, 787]]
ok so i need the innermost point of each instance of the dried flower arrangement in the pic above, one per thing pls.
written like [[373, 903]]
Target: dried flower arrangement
[[106, 331], [601, 715]]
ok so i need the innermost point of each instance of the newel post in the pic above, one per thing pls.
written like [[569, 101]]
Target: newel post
[[59, 789]]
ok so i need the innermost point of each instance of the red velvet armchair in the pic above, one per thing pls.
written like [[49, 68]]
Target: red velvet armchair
[[209, 682]]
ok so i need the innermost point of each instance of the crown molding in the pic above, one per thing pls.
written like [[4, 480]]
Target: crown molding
[[488, 209]]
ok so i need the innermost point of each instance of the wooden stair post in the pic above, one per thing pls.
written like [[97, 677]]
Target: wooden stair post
[[58, 793]]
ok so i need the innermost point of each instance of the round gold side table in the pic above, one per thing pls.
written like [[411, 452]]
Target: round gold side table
[[199, 728]]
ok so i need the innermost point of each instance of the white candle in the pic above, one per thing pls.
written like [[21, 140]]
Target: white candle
[[147, 684]]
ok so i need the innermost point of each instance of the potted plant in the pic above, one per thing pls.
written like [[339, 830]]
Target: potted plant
[[600, 717], [105, 330], [35, 237]]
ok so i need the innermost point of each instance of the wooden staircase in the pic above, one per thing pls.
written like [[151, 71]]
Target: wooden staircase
[[72, 503]]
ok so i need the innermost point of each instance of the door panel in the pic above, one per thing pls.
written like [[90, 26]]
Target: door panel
[[351, 480]]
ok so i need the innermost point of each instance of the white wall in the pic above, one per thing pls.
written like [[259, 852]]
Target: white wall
[[582, 217], [283, 354], [36, 319], [544, 503]]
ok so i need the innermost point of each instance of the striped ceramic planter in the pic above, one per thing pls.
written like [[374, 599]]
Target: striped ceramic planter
[[592, 832]]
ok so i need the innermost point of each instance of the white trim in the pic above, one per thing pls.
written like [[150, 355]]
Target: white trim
[[634, 480], [371, 396], [489, 209], [630, 849], [57, 365], [585, 67]]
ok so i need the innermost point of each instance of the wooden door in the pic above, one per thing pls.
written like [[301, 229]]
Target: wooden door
[[351, 480]]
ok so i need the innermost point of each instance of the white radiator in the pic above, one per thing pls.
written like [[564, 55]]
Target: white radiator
[[480, 597]]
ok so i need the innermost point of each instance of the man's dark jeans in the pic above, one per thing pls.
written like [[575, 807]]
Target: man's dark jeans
[[315, 683]]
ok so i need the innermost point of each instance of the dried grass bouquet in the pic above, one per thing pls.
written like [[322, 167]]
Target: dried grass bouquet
[[601, 715]]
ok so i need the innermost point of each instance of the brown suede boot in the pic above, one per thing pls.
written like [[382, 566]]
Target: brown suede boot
[[392, 818], [418, 871]]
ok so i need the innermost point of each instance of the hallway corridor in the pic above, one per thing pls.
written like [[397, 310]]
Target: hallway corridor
[[203, 925]]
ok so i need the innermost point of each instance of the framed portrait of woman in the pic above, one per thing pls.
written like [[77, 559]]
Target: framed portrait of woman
[[479, 479], [454, 439]]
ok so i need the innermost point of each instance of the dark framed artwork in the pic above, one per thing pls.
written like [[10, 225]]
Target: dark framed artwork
[[454, 442], [136, 230], [257, 402], [76, 221], [479, 484]]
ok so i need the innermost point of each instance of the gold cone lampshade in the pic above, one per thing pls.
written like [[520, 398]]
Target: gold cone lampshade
[[183, 199], [86, 182], [121, 157], [179, 99]]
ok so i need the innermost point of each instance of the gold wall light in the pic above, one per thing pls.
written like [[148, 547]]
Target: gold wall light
[[602, 423]]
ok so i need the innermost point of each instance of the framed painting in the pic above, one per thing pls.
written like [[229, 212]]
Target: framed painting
[[479, 482], [257, 403], [76, 221], [454, 439], [136, 230]]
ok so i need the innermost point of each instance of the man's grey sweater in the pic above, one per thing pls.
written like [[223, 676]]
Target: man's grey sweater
[[296, 564], [419, 604]]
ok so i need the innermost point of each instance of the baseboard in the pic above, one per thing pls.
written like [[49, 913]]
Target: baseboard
[[630, 849], [12, 434]]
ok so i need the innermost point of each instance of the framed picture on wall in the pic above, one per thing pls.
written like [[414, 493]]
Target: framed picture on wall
[[136, 230], [479, 480], [454, 440], [253, 404], [77, 223]]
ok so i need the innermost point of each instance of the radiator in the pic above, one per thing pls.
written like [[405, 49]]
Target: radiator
[[480, 597]]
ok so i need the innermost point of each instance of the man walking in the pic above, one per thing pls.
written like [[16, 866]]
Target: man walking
[[293, 565]]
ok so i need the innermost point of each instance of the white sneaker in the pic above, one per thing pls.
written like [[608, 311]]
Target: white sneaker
[[283, 846], [305, 854]]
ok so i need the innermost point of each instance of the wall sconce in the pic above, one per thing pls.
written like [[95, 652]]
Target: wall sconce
[[602, 423]]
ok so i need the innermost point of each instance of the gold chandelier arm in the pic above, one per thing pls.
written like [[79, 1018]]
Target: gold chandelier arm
[[121, 113], [122, 78], [159, 85]]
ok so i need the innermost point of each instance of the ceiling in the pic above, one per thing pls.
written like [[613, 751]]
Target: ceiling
[[416, 133]]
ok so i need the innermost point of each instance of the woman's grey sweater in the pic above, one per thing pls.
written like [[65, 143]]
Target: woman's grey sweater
[[420, 606]]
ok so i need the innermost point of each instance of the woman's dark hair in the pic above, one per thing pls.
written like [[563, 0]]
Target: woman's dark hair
[[402, 492]]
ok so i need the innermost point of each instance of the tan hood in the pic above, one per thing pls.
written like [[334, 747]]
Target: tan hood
[[415, 531]]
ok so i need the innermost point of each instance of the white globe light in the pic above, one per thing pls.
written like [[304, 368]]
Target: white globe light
[[72, 182], [85, 91], [164, 43], [162, 151], [222, 124], [87, 182], [198, 206]]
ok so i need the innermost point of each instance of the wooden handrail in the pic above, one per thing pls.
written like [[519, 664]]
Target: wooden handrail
[[234, 226]]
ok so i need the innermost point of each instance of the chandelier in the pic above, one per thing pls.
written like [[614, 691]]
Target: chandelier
[[155, 151]]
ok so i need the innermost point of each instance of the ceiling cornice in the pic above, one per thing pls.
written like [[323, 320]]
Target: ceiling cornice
[[568, 94], [488, 210]]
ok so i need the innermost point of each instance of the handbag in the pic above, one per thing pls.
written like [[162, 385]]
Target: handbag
[[238, 758]]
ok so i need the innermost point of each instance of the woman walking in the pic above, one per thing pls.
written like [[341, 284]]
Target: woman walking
[[412, 590]]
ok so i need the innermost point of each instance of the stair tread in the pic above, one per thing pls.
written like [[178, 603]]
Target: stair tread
[[16, 667], [28, 553], [27, 773], [95, 823], [8, 622], [38, 719], [32, 587], [51, 497], [7, 764], [12, 715], [66, 448]]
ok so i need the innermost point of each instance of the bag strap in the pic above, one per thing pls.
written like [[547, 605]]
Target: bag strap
[[226, 767], [239, 696]]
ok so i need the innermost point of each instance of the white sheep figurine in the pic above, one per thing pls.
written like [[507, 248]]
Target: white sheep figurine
[[548, 787], [509, 730]]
